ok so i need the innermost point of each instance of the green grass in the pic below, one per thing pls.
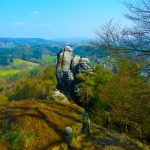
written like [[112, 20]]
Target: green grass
[[48, 58], [92, 63], [18, 62], [13, 136], [9, 72]]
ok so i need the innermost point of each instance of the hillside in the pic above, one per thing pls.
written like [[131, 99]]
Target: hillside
[[39, 125], [34, 49], [19, 62], [16, 67], [24, 41], [70, 79], [60, 107], [35, 125]]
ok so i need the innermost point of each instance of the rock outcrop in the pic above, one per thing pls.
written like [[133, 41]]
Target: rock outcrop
[[59, 97], [67, 67]]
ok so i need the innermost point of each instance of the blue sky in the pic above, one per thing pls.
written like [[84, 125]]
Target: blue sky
[[52, 19]]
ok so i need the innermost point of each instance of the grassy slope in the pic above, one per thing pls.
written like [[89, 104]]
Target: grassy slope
[[17, 63], [8, 72], [48, 58], [41, 123]]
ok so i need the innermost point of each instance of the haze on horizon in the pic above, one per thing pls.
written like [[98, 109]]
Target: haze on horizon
[[52, 19]]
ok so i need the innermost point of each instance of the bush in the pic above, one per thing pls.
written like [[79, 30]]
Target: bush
[[35, 87], [121, 101], [3, 99], [118, 101], [12, 136]]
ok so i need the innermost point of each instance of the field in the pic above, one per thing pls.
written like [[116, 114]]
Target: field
[[18, 62], [48, 59], [8, 72], [17, 67]]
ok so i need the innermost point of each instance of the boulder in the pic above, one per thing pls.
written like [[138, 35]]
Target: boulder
[[73, 136], [67, 77], [81, 67], [67, 67], [64, 59], [68, 135], [68, 48], [59, 97], [75, 61], [67, 58], [86, 60], [68, 130]]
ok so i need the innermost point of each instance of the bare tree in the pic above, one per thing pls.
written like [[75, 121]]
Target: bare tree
[[133, 42], [140, 14]]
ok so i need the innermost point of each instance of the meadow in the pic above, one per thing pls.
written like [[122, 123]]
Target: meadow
[[18, 62], [48, 59], [18, 66], [9, 72]]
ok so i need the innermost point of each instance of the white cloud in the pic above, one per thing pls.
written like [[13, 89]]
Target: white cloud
[[35, 13], [17, 23]]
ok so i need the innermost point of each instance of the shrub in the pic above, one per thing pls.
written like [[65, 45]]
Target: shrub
[[3, 99], [35, 87], [12, 136]]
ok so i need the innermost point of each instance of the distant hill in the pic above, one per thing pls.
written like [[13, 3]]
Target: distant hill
[[24, 41], [32, 49], [38, 41], [71, 40]]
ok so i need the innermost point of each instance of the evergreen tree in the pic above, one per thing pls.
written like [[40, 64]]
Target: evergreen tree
[[86, 86]]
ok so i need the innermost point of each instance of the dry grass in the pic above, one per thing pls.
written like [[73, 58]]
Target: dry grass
[[41, 123]]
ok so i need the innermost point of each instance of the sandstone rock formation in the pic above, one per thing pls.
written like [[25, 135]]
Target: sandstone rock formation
[[67, 67], [59, 97]]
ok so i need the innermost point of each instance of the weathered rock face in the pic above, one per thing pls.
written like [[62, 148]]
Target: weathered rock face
[[67, 67], [81, 67], [75, 61], [63, 72], [64, 59], [59, 97]]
